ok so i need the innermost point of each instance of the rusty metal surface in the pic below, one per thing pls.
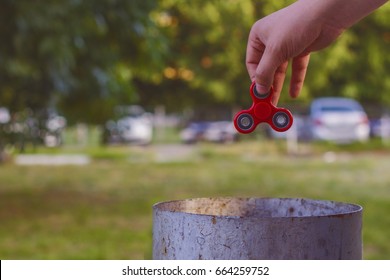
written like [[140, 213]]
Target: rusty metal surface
[[256, 228]]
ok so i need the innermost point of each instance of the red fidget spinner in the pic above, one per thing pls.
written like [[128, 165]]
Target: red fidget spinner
[[262, 110]]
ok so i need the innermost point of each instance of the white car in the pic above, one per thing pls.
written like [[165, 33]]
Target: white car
[[136, 129], [300, 129], [134, 125], [221, 131], [5, 116], [339, 120]]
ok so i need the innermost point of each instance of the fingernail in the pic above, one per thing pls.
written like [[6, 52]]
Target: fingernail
[[261, 89]]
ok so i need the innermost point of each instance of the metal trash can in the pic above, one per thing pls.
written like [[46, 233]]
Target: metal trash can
[[256, 228]]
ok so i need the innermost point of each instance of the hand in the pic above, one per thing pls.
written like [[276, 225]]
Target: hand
[[292, 34], [284, 35]]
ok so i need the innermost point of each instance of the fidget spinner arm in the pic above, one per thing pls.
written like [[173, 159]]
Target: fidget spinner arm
[[262, 110]]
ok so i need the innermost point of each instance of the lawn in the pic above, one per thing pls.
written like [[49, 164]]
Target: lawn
[[103, 210]]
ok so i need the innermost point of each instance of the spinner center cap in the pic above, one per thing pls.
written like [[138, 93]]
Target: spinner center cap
[[262, 111]]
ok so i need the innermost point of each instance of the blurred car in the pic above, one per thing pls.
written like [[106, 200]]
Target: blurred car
[[339, 120], [194, 132], [133, 125], [300, 129], [44, 126], [5, 116], [380, 127], [219, 131]]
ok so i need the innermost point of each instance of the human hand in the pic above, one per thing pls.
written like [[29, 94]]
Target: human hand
[[292, 33], [286, 34]]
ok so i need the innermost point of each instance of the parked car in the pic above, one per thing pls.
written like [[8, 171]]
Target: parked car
[[5, 116], [194, 132], [380, 127], [35, 127], [300, 129], [132, 125], [219, 131], [338, 119]]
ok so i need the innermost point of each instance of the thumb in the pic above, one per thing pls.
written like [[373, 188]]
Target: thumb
[[265, 71]]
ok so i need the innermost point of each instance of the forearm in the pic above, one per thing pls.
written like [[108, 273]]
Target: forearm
[[342, 14]]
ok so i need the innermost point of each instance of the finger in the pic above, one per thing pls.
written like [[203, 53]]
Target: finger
[[266, 70], [254, 52], [279, 77], [299, 68]]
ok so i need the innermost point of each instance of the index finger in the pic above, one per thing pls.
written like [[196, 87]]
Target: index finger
[[254, 52]]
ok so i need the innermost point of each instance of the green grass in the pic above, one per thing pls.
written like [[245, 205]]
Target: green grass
[[103, 210]]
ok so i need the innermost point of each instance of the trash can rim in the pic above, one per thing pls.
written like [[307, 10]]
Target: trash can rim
[[352, 208]]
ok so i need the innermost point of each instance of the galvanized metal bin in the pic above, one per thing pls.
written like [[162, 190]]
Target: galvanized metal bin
[[256, 228]]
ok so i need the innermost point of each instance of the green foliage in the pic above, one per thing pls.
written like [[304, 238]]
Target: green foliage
[[357, 65], [205, 65], [80, 55], [86, 57]]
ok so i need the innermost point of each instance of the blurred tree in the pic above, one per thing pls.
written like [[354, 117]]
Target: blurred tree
[[88, 56], [357, 65], [79, 55], [206, 62], [205, 66]]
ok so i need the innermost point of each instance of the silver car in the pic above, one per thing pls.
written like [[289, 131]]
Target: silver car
[[339, 120], [132, 125]]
